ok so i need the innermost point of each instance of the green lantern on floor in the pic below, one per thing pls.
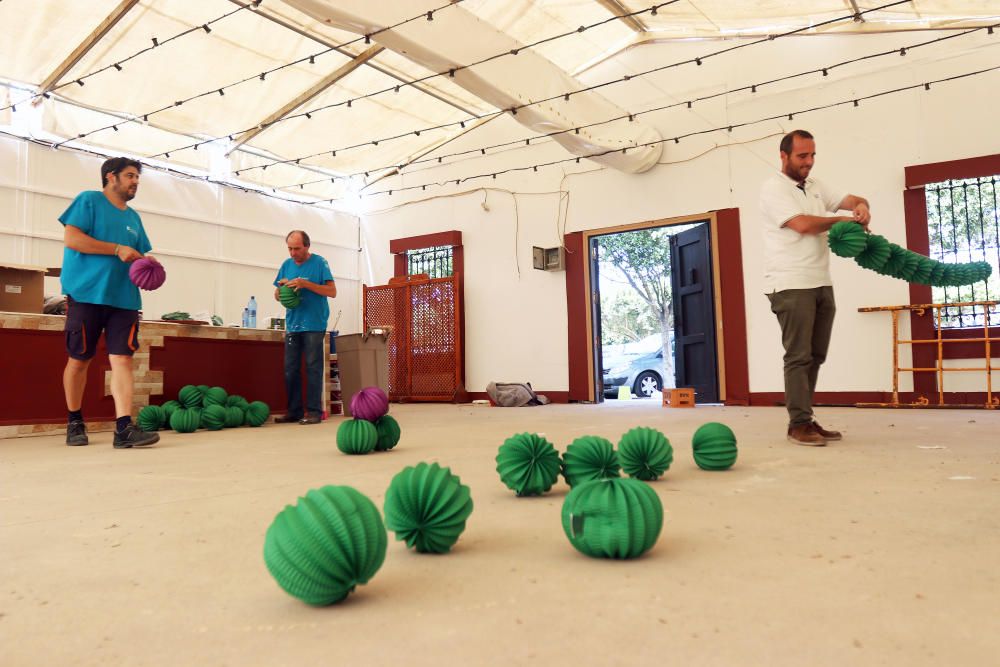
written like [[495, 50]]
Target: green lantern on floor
[[714, 446], [356, 436], [645, 453], [235, 416], [257, 413], [185, 420], [168, 409], [388, 433], [612, 518], [528, 464], [213, 417], [427, 506], [589, 457], [152, 418], [191, 396], [215, 396], [328, 543]]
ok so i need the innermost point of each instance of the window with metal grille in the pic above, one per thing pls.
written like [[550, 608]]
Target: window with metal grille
[[963, 226], [435, 262]]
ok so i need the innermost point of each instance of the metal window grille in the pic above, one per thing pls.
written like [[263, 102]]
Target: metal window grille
[[963, 225], [435, 262]]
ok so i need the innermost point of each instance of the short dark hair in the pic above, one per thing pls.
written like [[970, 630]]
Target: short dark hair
[[116, 165], [786, 141], [305, 237]]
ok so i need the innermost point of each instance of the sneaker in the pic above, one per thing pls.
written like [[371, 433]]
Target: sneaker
[[804, 434], [133, 436], [76, 434], [310, 419], [831, 436], [286, 420]]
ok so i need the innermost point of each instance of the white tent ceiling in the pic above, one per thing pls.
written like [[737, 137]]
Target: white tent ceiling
[[187, 51]]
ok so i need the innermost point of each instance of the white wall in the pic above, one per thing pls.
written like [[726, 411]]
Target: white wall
[[219, 245], [516, 321]]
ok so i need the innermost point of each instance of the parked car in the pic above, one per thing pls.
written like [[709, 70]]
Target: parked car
[[643, 375]]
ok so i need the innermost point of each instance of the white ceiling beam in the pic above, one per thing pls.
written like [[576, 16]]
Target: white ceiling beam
[[620, 11], [313, 91], [90, 42]]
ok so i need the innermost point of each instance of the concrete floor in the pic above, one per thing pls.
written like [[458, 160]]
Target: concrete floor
[[880, 550]]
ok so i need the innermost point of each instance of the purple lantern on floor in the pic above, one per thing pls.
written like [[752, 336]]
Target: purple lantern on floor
[[369, 404], [147, 273]]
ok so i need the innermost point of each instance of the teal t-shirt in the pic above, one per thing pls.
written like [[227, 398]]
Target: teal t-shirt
[[102, 279], [313, 311]]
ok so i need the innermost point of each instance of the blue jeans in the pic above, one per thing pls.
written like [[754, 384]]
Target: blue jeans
[[308, 344]]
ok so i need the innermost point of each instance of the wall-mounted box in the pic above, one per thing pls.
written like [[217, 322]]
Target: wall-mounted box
[[548, 259]]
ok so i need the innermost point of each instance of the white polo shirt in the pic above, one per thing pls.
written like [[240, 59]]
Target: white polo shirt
[[793, 260]]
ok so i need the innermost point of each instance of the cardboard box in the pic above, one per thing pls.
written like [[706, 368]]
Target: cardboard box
[[22, 288], [680, 397], [363, 362]]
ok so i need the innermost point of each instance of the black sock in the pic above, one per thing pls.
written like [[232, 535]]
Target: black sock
[[76, 415], [122, 422]]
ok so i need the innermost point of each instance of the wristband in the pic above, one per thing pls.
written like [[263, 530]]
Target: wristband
[[116, 249]]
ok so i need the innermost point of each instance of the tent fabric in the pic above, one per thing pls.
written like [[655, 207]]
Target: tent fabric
[[243, 41]]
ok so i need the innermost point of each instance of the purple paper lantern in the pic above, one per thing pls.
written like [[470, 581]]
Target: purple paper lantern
[[369, 404], [147, 273]]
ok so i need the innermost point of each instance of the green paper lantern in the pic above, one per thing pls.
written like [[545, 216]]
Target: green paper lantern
[[257, 413], [846, 239], [612, 518], [185, 420], [152, 418], [168, 409], [213, 417], [215, 396], [388, 433], [528, 464], [937, 274], [923, 273], [875, 254], [237, 401], [204, 388], [289, 296], [911, 261], [714, 446], [191, 396], [426, 506], [896, 260], [356, 436], [587, 458], [235, 416], [645, 453], [328, 543]]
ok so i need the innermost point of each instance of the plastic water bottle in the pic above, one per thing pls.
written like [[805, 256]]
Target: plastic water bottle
[[246, 318], [252, 313]]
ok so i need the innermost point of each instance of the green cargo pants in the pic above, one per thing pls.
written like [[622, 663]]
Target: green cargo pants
[[806, 319]]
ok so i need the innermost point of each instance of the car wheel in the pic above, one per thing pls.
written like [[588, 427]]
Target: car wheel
[[647, 384]]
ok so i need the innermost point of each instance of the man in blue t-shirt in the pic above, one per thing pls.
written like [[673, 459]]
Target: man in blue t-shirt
[[305, 326], [103, 236]]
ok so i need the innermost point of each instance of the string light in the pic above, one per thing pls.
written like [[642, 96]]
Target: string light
[[831, 105], [576, 130]]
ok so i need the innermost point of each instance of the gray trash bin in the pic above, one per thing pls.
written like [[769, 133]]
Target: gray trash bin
[[363, 362]]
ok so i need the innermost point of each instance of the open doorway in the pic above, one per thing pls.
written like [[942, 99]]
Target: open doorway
[[654, 312]]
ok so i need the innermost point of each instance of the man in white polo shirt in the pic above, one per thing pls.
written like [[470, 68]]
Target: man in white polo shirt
[[797, 217]]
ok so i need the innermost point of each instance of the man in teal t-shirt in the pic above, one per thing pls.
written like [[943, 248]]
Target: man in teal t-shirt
[[103, 236], [305, 327]]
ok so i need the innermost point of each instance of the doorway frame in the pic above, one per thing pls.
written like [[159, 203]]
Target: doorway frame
[[728, 296]]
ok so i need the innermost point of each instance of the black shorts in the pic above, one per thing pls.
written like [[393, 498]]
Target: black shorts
[[86, 321]]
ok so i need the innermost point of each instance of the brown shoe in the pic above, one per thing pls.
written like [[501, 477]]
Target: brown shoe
[[311, 419], [831, 436], [286, 420], [805, 434]]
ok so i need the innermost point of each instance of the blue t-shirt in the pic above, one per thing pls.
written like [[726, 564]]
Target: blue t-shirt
[[313, 311], [102, 279]]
